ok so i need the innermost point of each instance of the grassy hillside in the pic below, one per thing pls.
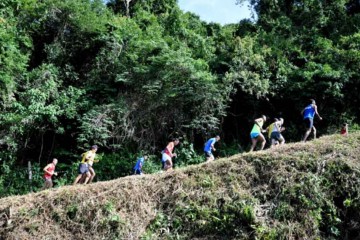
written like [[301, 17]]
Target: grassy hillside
[[299, 191]]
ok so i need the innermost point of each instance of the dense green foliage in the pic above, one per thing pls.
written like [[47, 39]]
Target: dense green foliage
[[129, 75], [298, 191]]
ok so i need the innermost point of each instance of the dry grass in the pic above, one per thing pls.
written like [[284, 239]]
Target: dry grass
[[125, 208]]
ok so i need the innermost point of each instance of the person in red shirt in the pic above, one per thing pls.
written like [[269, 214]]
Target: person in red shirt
[[49, 171], [167, 155]]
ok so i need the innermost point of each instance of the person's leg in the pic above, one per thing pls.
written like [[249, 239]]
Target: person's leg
[[206, 156], [314, 131], [50, 183], [262, 139], [92, 174], [281, 140], [309, 126], [77, 179], [168, 165], [273, 142], [88, 175], [82, 179], [210, 157], [253, 145], [46, 185], [307, 133]]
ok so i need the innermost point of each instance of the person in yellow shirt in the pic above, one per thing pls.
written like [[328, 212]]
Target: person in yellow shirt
[[276, 137], [90, 156], [85, 166], [270, 128]]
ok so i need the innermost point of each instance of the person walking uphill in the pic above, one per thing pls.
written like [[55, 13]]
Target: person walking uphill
[[309, 113], [276, 137], [167, 155], [139, 165], [85, 166], [49, 171], [344, 130], [256, 133], [209, 146]]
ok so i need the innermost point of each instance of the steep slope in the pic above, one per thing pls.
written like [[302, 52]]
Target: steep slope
[[298, 191]]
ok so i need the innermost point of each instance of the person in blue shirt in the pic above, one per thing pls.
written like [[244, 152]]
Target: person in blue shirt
[[308, 114], [209, 146], [139, 164]]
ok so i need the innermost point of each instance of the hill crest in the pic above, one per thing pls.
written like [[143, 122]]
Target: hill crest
[[297, 191]]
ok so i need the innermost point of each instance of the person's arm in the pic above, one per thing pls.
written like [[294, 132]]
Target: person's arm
[[46, 169], [317, 113], [88, 156], [257, 122], [213, 146], [171, 145], [280, 127], [96, 160], [91, 157], [268, 128]]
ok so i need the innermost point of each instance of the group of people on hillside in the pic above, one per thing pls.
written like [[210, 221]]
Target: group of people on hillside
[[86, 172], [274, 131]]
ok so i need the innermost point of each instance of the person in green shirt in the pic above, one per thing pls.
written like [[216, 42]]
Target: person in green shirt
[[256, 133]]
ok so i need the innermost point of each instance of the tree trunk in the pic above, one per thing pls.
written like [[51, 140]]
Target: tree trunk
[[127, 6], [30, 175]]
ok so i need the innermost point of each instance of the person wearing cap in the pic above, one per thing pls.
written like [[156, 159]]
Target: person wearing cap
[[256, 133], [85, 166], [49, 171], [276, 136], [308, 114], [209, 146]]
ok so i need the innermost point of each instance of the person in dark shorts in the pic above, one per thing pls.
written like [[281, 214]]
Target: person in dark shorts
[[139, 165], [83, 169], [276, 136], [85, 165], [308, 114], [209, 146]]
